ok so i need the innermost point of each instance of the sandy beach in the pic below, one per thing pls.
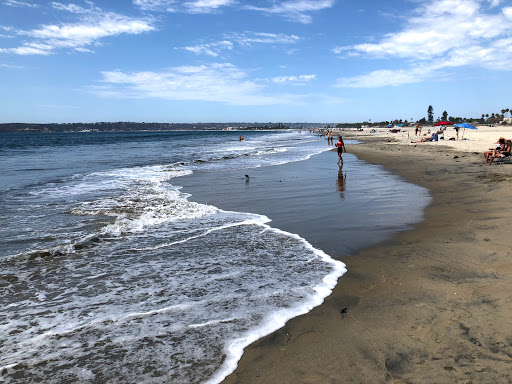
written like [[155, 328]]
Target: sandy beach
[[430, 305]]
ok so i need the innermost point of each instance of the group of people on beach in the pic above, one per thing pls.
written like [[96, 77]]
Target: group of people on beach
[[503, 148], [433, 137], [417, 130], [330, 139]]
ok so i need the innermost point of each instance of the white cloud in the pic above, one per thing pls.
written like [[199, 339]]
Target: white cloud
[[223, 83], [30, 49], [155, 5], [14, 3], [302, 79], [73, 8], [244, 39], [441, 34], [84, 50], [189, 6], [212, 49], [206, 6], [295, 10], [7, 29], [8, 66], [250, 38], [93, 25], [507, 11]]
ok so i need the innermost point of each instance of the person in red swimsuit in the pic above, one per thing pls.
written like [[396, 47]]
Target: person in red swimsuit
[[341, 146]]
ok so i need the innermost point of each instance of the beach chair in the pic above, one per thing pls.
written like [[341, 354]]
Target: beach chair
[[502, 159]]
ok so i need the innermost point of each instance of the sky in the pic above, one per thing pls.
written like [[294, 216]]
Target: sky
[[253, 61]]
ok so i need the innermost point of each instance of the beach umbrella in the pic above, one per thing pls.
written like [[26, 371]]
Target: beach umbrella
[[464, 125], [443, 123], [390, 125], [400, 125]]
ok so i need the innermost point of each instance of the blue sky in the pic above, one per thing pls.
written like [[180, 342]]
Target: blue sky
[[262, 60]]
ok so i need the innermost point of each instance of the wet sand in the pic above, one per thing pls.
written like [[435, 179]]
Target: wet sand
[[336, 214], [430, 305]]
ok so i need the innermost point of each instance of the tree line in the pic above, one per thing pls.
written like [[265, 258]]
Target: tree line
[[493, 118]]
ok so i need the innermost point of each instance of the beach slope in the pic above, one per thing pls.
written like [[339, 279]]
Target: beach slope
[[431, 305]]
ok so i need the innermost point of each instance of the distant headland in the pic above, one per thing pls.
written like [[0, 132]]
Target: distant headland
[[135, 126]]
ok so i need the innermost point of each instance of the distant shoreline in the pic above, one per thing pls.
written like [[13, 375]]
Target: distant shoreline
[[149, 127]]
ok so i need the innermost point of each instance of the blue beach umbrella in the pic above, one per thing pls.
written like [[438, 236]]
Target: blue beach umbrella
[[464, 125], [400, 125], [390, 125]]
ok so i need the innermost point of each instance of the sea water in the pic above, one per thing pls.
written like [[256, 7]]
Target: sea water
[[109, 272]]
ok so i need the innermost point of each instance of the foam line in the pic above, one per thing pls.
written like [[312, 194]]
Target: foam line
[[207, 232], [235, 348]]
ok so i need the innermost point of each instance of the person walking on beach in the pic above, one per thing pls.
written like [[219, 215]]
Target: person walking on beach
[[416, 130], [341, 146]]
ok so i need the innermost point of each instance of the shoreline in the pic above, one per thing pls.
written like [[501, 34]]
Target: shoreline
[[429, 305]]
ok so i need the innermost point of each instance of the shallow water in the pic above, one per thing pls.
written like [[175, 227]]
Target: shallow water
[[111, 271]]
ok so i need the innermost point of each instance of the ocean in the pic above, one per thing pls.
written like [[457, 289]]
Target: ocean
[[149, 257]]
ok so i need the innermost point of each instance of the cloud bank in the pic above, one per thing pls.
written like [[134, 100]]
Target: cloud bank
[[241, 39], [440, 35], [295, 10], [292, 10], [219, 82], [93, 25]]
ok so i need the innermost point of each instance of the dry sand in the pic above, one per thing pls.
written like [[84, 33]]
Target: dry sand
[[470, 140], [433, 304]]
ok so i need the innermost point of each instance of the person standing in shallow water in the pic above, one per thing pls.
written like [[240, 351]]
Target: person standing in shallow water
[[341, 146]]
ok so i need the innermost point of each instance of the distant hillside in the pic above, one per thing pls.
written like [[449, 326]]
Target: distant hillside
[[130, 126]]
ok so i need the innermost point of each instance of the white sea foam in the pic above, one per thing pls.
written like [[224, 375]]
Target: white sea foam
[[270, 291], [130, 281], [234, 348]]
